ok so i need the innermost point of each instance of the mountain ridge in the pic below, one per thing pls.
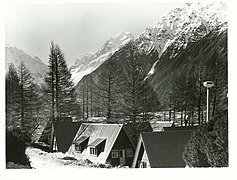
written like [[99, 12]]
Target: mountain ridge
[[88, 62], [35, 65]]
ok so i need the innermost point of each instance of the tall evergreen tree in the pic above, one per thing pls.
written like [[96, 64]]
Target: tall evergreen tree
[[59, 88], [25, 90], [138, 96], [110, 86], [12, 98], [134, 79], [29, 100]]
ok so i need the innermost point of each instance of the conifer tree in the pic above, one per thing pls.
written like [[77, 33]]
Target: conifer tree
[[59, 88], [134, 82], [12, 98], [29, 100], [25, 84], [110, 87]]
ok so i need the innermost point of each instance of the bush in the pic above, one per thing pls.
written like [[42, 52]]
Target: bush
[[15, 147], [208, 146], [194, 154]]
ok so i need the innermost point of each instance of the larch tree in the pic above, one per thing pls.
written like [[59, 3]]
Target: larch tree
[[25, 83], [12, 98], [110, 87], [29, 98], [59, 88], [135, 95]]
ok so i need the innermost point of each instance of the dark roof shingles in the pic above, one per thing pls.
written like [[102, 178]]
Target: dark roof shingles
[[65, 133], [164, 149]]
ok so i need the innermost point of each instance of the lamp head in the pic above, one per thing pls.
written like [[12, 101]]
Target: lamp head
[[208, 84]]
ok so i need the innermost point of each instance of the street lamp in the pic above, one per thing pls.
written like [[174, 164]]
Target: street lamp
[[208, 85]]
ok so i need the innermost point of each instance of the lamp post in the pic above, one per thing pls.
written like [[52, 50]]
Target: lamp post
[[208, 85]]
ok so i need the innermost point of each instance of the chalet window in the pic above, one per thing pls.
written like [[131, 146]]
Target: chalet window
[[97, 146], [143, 164], [129, 152], [77, 148], [81, 143], [93, 151], [115, 153]]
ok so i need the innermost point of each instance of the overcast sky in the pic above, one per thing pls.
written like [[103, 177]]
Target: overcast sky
[[78, 28]]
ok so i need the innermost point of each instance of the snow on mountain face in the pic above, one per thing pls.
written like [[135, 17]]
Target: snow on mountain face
[[182, 26], [87, 63], [34, 64]]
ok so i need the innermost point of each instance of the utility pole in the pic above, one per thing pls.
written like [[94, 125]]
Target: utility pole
[[208, 85]]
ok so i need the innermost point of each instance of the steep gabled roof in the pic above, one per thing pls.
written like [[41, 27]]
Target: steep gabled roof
[[97, 142], [164, 149], [65, 133], [46, 133], [80, 139], [180, 128], [141, 127], [99, 132]]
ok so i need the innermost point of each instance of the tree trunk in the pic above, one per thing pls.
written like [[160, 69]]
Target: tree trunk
[[91, 102], [181, 119], [185, 117], [199, 102], [87, 101], [174, 109], [170, 110], [56, 88], [52, 86], [202, 116], [83, 100]]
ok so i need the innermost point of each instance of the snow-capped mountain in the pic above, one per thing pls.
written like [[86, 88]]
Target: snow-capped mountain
[[183, 25], [34, 64], [175, 45], [87, 63]]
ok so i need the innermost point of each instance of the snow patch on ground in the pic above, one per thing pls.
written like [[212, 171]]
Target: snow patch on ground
[[43, 160]]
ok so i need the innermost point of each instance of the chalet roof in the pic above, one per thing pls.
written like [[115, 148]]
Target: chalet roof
[[46, 133], [81, 139], [141, 127], [38, 132], [96, 142], [98, 132], [164, 149], [64, 133], [181, 128]]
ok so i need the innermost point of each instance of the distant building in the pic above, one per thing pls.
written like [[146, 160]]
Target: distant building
[[103, 143], [161, 149], [159, 125]]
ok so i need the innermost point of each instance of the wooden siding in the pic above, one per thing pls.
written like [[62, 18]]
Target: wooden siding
[[122, 142]]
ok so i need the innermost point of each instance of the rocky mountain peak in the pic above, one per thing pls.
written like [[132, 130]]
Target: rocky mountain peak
[[183, 25], [87, 63]]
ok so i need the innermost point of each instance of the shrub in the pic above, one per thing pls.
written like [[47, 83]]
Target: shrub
[[208, 146], [15, 147]]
